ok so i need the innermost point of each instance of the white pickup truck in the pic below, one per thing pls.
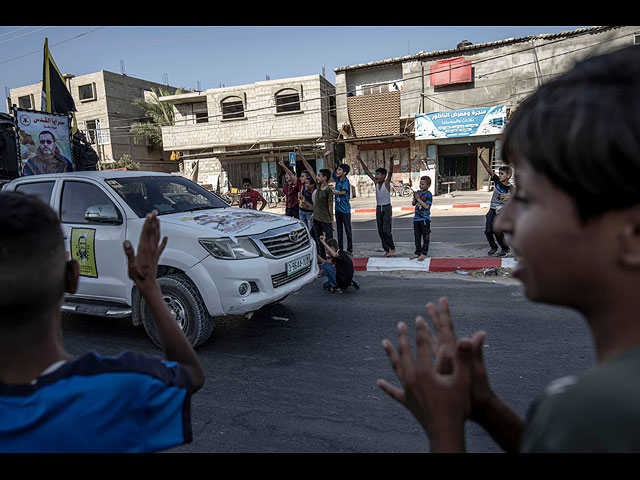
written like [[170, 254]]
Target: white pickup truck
[[219, 260]]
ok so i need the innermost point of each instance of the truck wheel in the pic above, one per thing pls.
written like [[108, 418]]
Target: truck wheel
[[186, 306]]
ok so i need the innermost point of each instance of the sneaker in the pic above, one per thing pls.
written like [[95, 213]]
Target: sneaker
[[492, 251], [355, 285], [502, 253], [333, 290]]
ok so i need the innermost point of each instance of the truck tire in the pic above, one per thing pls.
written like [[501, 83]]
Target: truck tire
[[186, 305]]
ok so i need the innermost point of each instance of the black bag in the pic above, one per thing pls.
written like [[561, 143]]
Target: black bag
[[8, 151], [84, 157]]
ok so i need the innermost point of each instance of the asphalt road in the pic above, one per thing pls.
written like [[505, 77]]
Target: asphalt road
[[447, 229], [300, 377]]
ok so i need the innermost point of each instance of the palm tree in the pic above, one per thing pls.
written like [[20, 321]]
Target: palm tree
[[157, 114]]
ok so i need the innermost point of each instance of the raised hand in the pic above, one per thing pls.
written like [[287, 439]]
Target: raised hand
[[143, 266], [437, 392]]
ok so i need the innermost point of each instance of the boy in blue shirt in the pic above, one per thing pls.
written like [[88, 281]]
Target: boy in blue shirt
[[422, 200], [342, 193], [51, 401]]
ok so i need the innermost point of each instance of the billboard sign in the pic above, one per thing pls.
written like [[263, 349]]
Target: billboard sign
[[460, 123], [44, 142]]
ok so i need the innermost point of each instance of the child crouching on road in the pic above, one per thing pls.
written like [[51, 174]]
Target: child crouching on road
[[339, 271], [422, 200]]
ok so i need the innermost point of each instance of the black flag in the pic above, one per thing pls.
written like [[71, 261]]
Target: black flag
[[55, 96]]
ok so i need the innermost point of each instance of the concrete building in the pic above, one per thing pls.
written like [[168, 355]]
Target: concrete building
[[105, 112], [426, 107], [229, 133]]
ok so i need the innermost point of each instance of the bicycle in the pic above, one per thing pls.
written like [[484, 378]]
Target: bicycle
[[271, 196], [401, 189]]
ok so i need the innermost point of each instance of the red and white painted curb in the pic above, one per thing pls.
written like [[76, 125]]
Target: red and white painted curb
[[388, 264], [434, 207]]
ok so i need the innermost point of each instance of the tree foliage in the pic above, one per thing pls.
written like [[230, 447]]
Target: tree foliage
[[156, 115]]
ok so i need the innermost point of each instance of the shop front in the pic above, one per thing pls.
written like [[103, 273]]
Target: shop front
[[452, 141]]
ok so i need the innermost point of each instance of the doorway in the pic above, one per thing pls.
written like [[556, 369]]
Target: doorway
[[461, 169]]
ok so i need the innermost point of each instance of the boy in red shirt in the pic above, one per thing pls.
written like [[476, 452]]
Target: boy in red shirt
[[250, 197], [292, 188]]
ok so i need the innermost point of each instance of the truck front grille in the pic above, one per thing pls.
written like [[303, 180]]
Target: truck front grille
[[282, 279], [286, 243]]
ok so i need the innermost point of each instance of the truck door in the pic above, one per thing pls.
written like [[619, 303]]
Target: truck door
[[96, 244]]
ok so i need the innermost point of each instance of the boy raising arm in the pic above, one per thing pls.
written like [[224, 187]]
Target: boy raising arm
[[558, 233], [382, 184], [39, 379]]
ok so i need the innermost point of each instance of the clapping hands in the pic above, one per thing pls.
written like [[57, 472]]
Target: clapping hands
[[445, 382]]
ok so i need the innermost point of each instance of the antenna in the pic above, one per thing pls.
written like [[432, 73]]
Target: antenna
[[165, 78], [122, 67]]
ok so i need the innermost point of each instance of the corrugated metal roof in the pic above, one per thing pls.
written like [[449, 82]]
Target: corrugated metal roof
[[435, 53]]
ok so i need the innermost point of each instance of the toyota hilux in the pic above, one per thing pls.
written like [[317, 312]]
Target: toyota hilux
[[219, 260]]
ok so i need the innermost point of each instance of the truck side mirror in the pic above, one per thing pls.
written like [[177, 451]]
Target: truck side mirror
[[102, 214]]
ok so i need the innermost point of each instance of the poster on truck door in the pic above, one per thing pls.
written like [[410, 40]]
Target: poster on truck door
[[460, 123], [83, 250]]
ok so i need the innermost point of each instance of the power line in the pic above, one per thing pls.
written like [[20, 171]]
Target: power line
[[52, 45], [407, 94], [23, 35], [125, 131], [13, 31]]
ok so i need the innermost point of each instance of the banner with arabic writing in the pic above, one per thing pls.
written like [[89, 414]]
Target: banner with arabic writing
[[44, 141], [460, 123]]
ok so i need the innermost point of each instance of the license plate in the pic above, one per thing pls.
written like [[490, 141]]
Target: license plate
[[298, 264]]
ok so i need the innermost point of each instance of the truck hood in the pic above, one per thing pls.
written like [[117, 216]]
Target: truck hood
[[226, 222]]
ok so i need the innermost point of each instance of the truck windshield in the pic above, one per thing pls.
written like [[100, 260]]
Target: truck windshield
[[172, 194]]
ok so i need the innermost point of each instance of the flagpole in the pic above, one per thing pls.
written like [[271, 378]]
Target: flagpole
[[45, 77], [46, 88]]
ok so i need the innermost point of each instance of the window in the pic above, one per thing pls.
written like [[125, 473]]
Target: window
[[95, 134], [26, 102], [87, 92], [77, 197], [380, 88], [41, 190], [232, 107], [447, 72], [165, 194], [202, 117], [287, 101]]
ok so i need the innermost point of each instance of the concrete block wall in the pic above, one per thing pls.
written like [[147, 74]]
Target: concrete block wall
[[261, 122]]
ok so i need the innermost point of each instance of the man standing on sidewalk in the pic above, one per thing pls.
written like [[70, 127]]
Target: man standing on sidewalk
[[382, 182]]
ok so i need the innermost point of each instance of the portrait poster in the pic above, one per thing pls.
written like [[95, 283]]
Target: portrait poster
[[44, 142], [83, 241]]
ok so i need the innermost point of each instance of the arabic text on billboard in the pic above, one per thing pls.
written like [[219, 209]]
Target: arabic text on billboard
[[44, 141], [460, 123]]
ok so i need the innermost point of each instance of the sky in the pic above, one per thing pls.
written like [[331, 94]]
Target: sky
[[212, 56]]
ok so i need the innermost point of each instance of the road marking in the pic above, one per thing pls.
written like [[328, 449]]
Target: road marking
[[411, 228]]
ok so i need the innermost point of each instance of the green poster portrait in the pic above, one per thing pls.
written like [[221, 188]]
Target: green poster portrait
[[83, 251]]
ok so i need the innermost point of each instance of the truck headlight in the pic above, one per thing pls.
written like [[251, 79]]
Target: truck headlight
[[227, 249]]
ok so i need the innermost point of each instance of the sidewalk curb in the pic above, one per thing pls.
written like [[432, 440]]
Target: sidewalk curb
[[370, 264]]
